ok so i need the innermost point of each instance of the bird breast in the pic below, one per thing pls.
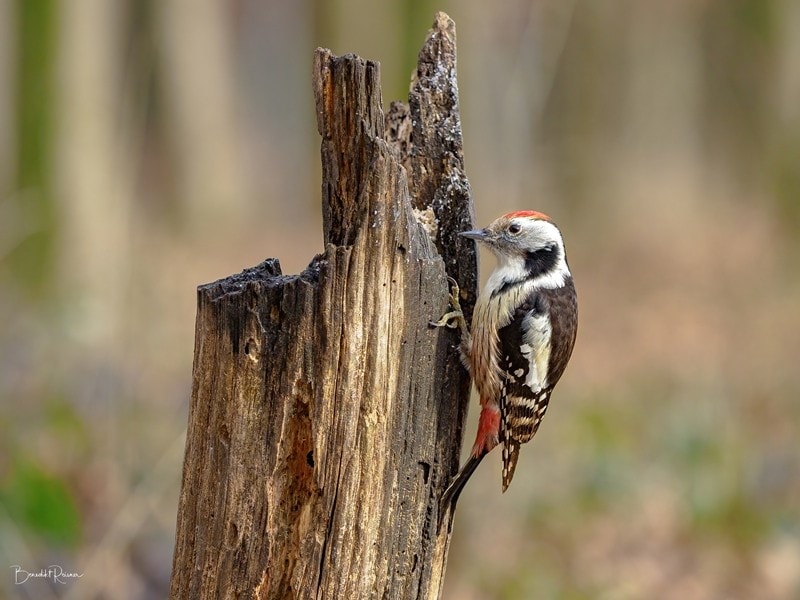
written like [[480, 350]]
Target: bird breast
[[491, 314]]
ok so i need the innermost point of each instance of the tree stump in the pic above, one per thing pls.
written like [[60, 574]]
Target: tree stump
[[326, 415]]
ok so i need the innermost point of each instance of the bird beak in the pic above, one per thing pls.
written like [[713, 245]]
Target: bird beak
[[479, 235]]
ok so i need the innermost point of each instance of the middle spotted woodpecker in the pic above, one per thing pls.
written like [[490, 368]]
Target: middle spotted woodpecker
[[523, 330]]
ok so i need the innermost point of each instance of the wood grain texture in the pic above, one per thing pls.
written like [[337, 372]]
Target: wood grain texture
[[326, 416]]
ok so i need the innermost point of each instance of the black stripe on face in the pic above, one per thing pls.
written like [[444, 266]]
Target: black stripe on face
[[537, 262], [542, 261]]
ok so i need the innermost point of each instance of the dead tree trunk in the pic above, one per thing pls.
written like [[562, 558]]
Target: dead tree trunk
[[326, 416]]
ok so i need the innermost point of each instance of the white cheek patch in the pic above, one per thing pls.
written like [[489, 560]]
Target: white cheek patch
[[507, 271], [512, 269]]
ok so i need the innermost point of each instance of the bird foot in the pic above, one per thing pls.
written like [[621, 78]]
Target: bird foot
[[455, 317]]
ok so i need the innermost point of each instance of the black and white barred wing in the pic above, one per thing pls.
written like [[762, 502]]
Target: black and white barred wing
[[524, 358]]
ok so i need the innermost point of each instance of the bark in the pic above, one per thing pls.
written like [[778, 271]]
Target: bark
[[326, 415]]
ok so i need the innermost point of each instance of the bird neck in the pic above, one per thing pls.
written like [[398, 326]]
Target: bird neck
[[541, 269]]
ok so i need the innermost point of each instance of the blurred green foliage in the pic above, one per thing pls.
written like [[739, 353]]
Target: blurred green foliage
[[40, 500], [31, 262], [40, 503]]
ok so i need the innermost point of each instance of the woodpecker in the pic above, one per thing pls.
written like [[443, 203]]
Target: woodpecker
[[523, 330]]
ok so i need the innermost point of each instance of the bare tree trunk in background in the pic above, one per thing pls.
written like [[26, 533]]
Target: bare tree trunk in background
[[326, 416], [94, 173], [8, 42], [196, 69]]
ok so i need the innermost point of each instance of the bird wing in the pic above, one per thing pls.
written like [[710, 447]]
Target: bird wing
[[524, 356]]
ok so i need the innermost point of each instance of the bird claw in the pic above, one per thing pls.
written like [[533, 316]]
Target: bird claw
[[455, 317], [449, 320]]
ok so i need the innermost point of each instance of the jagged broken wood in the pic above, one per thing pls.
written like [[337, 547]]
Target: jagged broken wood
[[326, 416]]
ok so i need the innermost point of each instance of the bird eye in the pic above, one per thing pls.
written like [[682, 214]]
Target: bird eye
[[514, 228]]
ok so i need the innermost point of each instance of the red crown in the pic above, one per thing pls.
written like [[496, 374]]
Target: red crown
[[531, 214]]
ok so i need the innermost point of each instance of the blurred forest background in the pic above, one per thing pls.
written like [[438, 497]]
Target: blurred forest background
[[147, 147]]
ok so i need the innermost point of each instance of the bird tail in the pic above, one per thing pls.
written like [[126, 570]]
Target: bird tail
[[510, 456]]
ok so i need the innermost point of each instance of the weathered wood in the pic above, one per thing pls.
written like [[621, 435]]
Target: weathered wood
[[326, 416]]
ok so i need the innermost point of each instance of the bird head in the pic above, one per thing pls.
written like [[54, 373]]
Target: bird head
[[526, 243]]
